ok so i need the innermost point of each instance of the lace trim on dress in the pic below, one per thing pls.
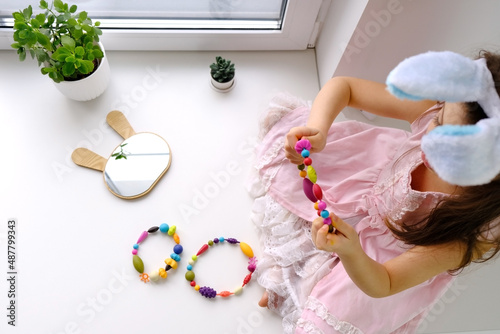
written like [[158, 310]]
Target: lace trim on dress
[[309, 327], [321, 311], [266, 159]]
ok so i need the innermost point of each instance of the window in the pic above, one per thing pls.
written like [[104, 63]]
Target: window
[[191, 24]]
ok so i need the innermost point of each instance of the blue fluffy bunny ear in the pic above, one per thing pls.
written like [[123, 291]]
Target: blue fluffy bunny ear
[[440, 76], [464, 155]]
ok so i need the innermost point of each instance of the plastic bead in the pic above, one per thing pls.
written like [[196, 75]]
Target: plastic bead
[[142, 237], [202, 250], [311, 173], [307, 186], [305, 153], [192, 283], [247, 279], [238, 291], [232, 240], [316, 207], [225, 293], [210, 243], [302, 144], [318, 193], [208, 292], [153, 229], [194, 257], [162, 273], [138, 264], [216, 240], [164, 228], [321, 205], [178, 249], [134, 251], [175, 257], [308, 161], [191, 262], [330, 228], [171, 230], [221, 239], [327, 221], [154, 276], [189, 275], [189, 267], [325, 213], [252, 264], [197, 287], [171, 262], [177, 239], [301, 166], [302, 173], [246, 249]]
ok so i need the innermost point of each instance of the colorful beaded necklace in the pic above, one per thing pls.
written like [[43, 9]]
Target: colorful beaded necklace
[[171, 262], [311, 189], [209, 292]]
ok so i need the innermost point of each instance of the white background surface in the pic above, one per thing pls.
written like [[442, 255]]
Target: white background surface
[[74, 238]]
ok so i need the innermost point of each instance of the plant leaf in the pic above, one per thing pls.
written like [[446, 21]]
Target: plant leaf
[[22, 54], [79, 51], [44, 41], [61, 54], [44, 4], [68, 69], [68, 42], [73, 9], [86, 66], [59, 5], [82, 16], [27, 12]]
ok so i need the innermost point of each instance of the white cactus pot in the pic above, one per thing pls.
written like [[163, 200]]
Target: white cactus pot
[[223, 87]]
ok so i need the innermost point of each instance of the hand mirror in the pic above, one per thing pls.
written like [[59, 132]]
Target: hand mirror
[[135, 166]]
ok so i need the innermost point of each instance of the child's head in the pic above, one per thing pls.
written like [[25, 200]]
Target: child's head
[[472, 215], [466, 151]]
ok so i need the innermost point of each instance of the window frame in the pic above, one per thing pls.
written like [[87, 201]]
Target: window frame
[[297, 29]]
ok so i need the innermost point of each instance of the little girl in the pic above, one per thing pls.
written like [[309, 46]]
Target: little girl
[[403, 225]]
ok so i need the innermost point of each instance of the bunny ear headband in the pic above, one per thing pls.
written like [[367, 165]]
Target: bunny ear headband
[[464, 155]]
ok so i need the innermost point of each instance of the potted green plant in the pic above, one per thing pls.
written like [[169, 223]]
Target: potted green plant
[[222, 73], [66, 45]]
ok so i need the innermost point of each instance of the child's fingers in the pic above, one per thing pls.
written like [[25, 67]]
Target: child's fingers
[[291, 139], [324, 240], [342, 227]]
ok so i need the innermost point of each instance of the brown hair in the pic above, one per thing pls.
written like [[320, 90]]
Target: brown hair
[[471, 217]]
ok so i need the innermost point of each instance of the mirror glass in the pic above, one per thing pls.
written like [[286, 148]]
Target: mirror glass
[[137, 164]]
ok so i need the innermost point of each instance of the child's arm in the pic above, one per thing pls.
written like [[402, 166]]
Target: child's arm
[[340, 92], [384, 279]]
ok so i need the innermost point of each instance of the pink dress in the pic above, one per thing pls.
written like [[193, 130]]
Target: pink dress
[[364, 180]]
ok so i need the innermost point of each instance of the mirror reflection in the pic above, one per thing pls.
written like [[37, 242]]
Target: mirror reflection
[[137, 164]]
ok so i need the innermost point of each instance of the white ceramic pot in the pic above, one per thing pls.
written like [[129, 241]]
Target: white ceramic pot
[[90, 87], [223, 86]]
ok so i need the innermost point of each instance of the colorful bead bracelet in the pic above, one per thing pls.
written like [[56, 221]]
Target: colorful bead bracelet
[[311, 189], [171, 262], [207, 291]]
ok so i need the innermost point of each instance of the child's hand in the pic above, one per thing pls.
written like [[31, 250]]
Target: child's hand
[[317, 140], [344, 241]]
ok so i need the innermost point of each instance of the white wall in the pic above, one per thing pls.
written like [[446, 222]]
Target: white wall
[[381, 33], [388, 31]]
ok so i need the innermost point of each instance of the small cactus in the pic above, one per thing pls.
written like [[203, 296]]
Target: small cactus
[[222, 70]]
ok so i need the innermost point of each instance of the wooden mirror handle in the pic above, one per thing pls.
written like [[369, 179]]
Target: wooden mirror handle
[[86, 158], [117, 120]]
